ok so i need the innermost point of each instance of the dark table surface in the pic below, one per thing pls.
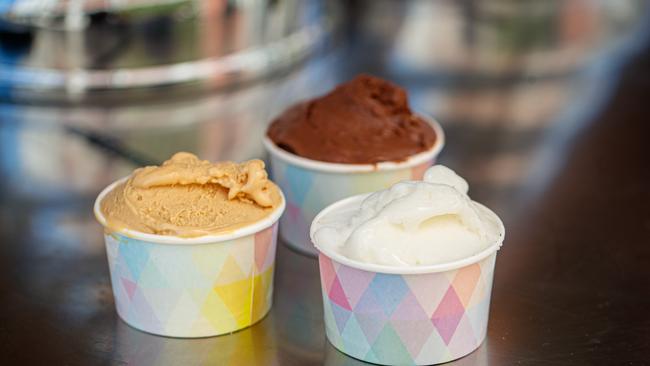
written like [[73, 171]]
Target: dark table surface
[[572, 281]]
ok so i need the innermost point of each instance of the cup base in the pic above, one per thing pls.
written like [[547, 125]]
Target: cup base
[[198, 334], [428, 362]]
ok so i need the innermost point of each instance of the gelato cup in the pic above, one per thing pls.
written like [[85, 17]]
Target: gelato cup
[[192, 287], [417, 315], [311, 185]]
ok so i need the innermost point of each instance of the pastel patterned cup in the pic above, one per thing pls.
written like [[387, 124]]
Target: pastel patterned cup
[[311, 185], [192, 287], [405, 315]]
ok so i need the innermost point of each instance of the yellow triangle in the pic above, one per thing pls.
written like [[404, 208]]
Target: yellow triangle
[[218, 314], [262, 294], [236, 296]]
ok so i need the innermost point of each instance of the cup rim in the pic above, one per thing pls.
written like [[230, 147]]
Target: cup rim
[[253, 228], [410, 162], [380, 268]]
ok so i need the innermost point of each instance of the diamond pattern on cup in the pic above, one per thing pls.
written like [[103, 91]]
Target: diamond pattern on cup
[[388, 347], [355, 281], [407, 322], [389, 290], [194, 290], [353, 337], [465, 282], [341, 316], [429, 289], [420, 319], [448, 314], [327, 272], [337, 295], [464, 337]]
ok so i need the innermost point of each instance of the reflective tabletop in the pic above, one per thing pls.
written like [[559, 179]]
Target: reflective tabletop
[[558, 149]]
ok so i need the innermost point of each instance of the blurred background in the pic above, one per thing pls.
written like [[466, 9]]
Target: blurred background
[[91, 89]]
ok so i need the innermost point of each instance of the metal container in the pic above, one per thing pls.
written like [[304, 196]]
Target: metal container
[[87, 50]]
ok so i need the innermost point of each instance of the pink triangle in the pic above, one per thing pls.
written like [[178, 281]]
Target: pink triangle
[[263, 241], [327, 272], [448, 315], [293, 211], [129, 286], [337, 295], [355, 281]]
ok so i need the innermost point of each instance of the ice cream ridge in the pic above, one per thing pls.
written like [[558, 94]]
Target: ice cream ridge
[[413, 223], [189, 197], [364, 121]]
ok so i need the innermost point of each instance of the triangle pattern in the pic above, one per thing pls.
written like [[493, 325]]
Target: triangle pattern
[[299, 183], [263, 243], [341, 316], [429, 289], [135, 256], [448, 314], [150, 277], [243, 252], [463, 339], [333, 334], [208, 260], [327, 273], [230, 272], [237, 298], [337, 295], [407, 322], [465, 282], [215, 311], [433, 351], [389, 290], [129, 287], [354, 341], [165, 301], [140, 309], [389, 348], [355, 282], [185, 309], [371, 325]]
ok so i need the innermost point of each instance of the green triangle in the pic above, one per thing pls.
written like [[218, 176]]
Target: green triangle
[[389, 349]]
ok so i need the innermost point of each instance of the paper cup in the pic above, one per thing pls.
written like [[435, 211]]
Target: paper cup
[[311, 185], [405, 316], [192, 287]]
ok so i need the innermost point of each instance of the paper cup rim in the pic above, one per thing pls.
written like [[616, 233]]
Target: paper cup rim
[[253, 228], [379, 268], [317, 165]]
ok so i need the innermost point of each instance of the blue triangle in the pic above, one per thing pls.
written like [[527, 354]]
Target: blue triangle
[[341, 316], [389, 290], [299, 183], [354, 340], [135, 254]]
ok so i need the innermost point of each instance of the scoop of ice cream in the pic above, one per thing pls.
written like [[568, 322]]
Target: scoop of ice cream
[[413, 223], [364, 121], [188, 197]]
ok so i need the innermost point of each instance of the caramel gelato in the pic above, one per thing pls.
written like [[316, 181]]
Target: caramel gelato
[[364, 121], [189, 197]]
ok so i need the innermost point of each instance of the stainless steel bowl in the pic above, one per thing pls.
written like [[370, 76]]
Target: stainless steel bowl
[[79, 50]]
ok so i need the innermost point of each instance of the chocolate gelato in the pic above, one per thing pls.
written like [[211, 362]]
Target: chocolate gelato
[[364, 121]]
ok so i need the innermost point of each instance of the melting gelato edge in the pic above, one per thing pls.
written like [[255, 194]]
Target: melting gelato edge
[[189, 197]]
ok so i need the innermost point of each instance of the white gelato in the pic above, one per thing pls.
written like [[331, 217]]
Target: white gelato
[[413, 223]]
